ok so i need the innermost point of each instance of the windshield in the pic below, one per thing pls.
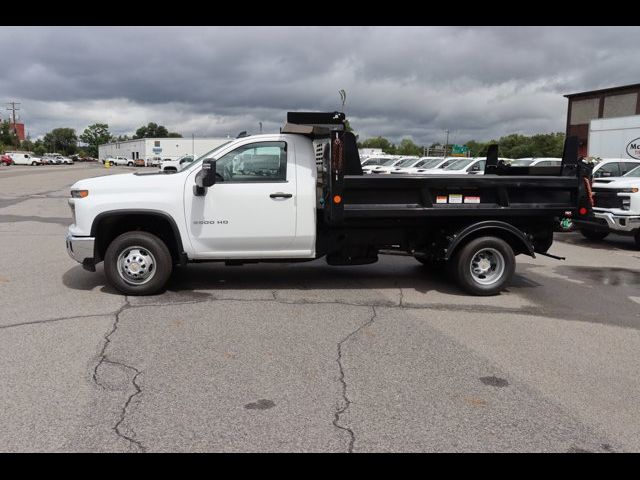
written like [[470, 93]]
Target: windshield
[[406, 162], [371, 161], [633, 173], [390, 162], [209, 154], [459, 164], [428, 163], [521, 163]]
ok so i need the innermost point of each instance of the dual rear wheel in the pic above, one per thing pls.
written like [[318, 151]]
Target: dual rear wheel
[[483, 266]]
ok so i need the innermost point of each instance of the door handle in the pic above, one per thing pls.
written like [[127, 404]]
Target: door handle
[[281, 195]]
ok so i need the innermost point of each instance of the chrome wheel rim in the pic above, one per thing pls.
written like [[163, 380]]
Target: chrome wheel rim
[[487, 266], [136, 265]]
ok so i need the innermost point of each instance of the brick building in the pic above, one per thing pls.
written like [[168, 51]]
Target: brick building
[[606, 103]]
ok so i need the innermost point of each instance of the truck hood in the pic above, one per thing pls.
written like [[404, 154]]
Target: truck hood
[[619, 182], [128, 182]]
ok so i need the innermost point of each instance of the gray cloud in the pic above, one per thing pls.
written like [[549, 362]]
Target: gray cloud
[[479, 82]]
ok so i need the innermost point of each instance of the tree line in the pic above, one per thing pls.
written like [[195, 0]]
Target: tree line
[[509, 146], [65, 140]]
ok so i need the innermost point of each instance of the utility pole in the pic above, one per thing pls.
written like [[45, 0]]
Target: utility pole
[[260, 127], [12, 106], [446, 143]]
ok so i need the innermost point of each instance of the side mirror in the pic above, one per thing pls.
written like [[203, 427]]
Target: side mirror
[[205, 178]]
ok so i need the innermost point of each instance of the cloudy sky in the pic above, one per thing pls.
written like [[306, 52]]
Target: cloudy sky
[[480, 83]]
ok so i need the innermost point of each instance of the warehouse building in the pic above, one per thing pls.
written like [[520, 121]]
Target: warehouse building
[[606, 103], [172, 148]]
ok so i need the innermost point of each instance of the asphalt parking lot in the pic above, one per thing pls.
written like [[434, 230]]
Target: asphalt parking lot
[[307, 357]]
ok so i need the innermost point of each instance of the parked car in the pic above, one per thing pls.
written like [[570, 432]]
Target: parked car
[[24, 158], [56, 160], [139, 162], [421, 165], [120, 161], [5, 160], [389, 161], [404, 164], [460, 166], [536, 162], [375, 161], [613, 167], [154, 161], [175, 165]]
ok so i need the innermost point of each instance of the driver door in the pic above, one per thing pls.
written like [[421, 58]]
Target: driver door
[[250, 212]]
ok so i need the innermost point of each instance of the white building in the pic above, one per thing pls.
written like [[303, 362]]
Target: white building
[[172, 148], [369, 152]]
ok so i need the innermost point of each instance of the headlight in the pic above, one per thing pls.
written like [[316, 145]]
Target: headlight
[[629, 190], [79, 193]]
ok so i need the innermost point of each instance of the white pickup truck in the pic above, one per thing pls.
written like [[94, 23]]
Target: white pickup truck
[[616, 207], [301, 195]]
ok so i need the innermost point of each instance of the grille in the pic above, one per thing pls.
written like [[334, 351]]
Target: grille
[[606, 198]]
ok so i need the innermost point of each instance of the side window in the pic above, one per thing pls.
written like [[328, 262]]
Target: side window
[[255, 162], [608, 170], [628, 166]]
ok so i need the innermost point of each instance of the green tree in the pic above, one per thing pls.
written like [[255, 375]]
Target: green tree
[[477, 149], [407, 147], [153, 130], [62, 140], [95, 135], [7, 137], [378, 142]]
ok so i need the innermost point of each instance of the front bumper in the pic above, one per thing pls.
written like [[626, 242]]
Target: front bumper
[[80, 248], [619, 223]]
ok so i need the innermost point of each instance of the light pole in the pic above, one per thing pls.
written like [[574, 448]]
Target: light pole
[[260, 127]]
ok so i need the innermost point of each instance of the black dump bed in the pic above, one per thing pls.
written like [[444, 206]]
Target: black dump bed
[[469, 195], [503, 190]]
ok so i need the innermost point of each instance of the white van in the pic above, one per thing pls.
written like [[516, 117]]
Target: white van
[[24, 158]]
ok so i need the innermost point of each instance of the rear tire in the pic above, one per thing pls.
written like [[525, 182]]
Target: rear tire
[[151, 250], [483, 266], [130, 164], [595, 235]]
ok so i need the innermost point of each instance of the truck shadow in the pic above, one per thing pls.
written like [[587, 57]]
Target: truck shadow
[[389, 273]]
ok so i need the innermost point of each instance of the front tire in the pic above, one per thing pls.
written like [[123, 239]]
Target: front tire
[[637, 239], [484, 265], [595, 235], [138, 263]]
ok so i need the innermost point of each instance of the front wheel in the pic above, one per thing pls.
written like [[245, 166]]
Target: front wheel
[[484, 265], [593, 234], [33, 164], [138, 263], [637, 238]]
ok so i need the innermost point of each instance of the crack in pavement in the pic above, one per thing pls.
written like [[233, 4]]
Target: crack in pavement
[[345, 397], [103, 359], [123, 413], [53, 320]]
